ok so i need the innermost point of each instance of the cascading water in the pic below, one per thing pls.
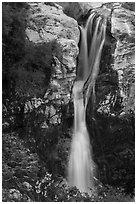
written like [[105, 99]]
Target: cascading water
[[81, 166]]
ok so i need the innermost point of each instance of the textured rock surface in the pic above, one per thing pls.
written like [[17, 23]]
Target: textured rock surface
[[78, 9], [51, 21], [122, 27], [47, 23]]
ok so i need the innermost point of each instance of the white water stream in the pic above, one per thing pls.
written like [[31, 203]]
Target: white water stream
[[81, 166]]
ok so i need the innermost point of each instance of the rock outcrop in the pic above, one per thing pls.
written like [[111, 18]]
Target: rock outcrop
[[121, 17], [78, 9], [48, 23], [123, 29], [59, 22]]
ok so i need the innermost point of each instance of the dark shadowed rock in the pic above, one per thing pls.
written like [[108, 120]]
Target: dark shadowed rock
[[78, 9]]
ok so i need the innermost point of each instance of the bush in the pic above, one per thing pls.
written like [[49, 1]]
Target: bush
[[20, 166], [26, 177], [51, 144], [50, 190]]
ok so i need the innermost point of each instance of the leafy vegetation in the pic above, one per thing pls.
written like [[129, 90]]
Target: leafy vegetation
[[25, 179], [35, 153], [26, 67]]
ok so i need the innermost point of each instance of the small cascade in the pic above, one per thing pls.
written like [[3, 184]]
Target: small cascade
[[81, 166]]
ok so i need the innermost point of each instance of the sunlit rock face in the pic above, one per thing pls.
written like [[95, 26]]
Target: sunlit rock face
[[58, 22], [123, 29], [47, 23], [118, 64], [120, 43]]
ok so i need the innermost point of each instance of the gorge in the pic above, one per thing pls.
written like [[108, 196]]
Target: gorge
[[81, 165], [68, 101]]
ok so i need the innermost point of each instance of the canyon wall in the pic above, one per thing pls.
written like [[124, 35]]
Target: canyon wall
[[58, 22]]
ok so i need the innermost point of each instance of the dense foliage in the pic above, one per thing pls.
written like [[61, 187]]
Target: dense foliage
[[26, 179], [26, 67], [35, 152]]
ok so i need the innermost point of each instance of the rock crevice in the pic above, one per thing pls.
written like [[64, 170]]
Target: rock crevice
[[59, 22]]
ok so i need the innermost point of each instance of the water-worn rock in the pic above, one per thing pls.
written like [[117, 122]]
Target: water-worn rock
[[48, 21], [121, 17]]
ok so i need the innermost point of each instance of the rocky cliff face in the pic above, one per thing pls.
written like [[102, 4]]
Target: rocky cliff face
[[121, 17], [123, 29], [47, 23], [58, 22]]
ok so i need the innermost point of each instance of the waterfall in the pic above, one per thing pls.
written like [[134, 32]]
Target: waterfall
[[81, 166]]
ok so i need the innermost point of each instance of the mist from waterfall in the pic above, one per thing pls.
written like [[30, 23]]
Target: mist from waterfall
[[81, 166]]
